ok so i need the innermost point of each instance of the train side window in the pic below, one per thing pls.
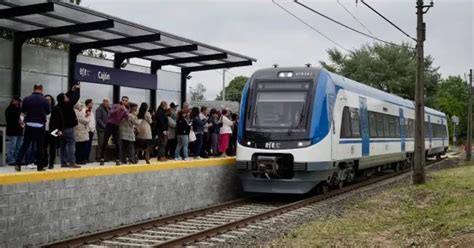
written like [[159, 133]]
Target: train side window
[[435, 130], [411, 128], [380, 133], [386, 125], [373, 124], [355, 123], [397, 126], [391, 125], [345, 123], [427, 130]]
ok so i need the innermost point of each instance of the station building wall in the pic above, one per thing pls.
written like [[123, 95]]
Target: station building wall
[[50, 68]]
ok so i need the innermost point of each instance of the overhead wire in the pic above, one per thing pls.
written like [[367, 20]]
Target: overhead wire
[[355, 17], [386, 19], [346, 26], [310, 26]]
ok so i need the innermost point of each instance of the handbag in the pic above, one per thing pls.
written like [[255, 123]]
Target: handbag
[[192, 136]]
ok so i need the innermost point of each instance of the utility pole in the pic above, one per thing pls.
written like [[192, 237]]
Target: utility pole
[[419, 158], [223, 85], [469, 120]]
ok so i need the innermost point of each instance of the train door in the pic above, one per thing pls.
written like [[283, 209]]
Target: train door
[[402, 130], [364, 124]]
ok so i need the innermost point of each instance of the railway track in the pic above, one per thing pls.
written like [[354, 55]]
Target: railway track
[[206, 226]]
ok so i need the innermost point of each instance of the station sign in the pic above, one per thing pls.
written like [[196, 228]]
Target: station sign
[[111, 76]]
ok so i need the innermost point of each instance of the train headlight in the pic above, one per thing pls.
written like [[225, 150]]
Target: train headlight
[[249, 143], [285, 74], [303, 143]]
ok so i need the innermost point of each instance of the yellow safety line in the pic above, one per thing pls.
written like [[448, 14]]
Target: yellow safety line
[[29, 177]]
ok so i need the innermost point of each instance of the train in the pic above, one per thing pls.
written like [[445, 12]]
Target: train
[[305, 128]]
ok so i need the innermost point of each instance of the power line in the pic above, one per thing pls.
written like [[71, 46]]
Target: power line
[[354, 17], [310, 26], [386, 19], [344, 25]]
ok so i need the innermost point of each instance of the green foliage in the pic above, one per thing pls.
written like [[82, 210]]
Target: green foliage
[[385, 67], [403, 216], [233, 92], [451, 98]]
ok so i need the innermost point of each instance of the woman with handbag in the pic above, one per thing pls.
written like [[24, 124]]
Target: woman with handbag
[[198, 128], [127, 135], [144, 141], [183, 129], [225, 132]]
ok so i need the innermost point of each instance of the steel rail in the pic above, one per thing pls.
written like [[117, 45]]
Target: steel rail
[[210, 232], [278, 211], [123, 230]]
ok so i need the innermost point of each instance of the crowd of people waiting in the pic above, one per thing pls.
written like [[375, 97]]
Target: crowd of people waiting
[[38, 127]]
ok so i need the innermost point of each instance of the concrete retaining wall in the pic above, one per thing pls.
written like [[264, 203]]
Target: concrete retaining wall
[[40, 212]]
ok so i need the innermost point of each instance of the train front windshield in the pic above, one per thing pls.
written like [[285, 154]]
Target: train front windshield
[[280, 107]]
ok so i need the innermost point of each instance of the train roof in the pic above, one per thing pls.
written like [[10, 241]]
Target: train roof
[[345, 83], [363, 89]]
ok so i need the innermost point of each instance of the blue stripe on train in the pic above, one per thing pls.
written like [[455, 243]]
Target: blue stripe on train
[[382, 141]]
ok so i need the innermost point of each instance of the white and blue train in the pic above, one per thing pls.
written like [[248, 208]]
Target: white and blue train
[[302, 127]]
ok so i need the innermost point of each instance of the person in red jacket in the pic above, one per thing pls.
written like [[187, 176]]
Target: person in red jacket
[[118, 113]]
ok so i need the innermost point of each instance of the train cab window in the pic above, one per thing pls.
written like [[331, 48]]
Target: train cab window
[[355, 123], [439, 131], [373, 124]]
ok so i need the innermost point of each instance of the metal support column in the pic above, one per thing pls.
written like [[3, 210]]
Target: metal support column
[[153, 70], [184, 85], [17, 65], [116, 90], [72, 59]]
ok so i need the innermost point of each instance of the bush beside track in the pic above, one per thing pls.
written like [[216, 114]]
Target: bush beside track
[[439, 213]]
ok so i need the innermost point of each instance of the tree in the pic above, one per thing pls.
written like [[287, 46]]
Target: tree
[[451, 98], [233, 91], [197, 94], [386, 67]]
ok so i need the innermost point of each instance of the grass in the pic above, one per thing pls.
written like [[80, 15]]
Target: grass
[[425, 215]]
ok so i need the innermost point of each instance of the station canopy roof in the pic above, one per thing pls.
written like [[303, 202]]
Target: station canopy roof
[[86, 28]]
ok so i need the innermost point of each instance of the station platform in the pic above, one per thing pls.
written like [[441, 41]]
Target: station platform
[[8, 175], [42, 207]]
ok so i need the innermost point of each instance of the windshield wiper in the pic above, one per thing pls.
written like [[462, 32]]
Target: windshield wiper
[[290, 129]]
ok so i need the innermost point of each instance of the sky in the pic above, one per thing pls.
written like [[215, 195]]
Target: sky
[[260, 29]]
